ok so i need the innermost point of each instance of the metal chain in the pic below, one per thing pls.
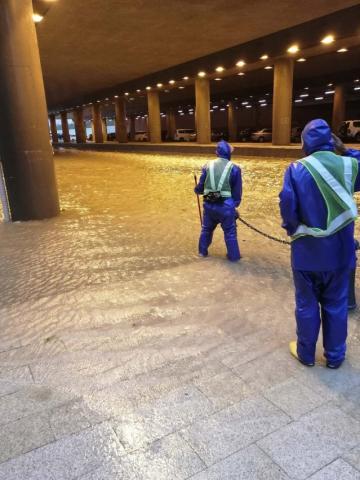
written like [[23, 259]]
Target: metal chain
[[266, 235]]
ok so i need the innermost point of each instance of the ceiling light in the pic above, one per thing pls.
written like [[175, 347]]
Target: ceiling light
[[356, 88], [244, 103], [215, 106], [202, 74], [357, 80], [268, 67], [211, 110], [240, 63], [330, 84], [171, 82], [98, 101], [138, 90], [222, 109], [304, 95], [263, 105], [126, 93], [148, 88], [181, 88], [306, 88], [264, 57], [185, 78], [342, 50], [159, 85], [298, 100], [319, 98], [217, 79], [328, 39], [241, 74], [293, 49], [262, 101], [329, 92], [302, 59], [37, 18], [248, 106], [116, 96], [219, 69]]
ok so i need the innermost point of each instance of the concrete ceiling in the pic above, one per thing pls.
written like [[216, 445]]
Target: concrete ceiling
[[91, 45]]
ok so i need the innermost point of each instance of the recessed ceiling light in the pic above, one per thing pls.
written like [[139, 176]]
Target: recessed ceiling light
[[185, 78], [306, 88], [219, 69], [248, 106], [319, 98], [218, 79], [159, 85], [268, 67], [244, 103], [171, 82], [298, 100], [264, 57], [37, 18], [262, 101], [304, 95], [342, 50], [302, 59], [293, 49], [263, 105], [181, 88], [241, 74], [357, 80], [240, 63], [126, 93], [330, 84], [116, 96], [329, 92], [148, 88], [328, 39], [356, 88], [138, 90], [202, 74]]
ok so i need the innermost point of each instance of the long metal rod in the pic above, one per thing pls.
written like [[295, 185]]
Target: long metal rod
[[198, 201]]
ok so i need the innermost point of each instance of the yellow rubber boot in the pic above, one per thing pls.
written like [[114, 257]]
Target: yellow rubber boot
[[293, 351]]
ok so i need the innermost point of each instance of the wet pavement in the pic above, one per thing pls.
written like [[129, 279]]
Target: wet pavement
[[125, 356]]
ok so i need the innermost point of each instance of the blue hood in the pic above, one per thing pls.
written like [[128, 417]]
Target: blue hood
[[224, 150], [316, 137]]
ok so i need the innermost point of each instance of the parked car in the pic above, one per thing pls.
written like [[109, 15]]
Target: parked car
[[217, 135], [141, 137], [185, 135], [296, 134], [245, 134], [111, 137], [350, 130], [263, 135]]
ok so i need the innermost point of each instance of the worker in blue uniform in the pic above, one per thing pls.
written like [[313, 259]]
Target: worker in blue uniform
[[318, 212], [221, 186]]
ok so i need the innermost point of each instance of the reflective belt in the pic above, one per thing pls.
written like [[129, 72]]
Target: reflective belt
[[340, 191], [222, 178]]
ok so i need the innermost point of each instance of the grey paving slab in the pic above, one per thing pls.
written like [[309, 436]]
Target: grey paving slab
[[9, 387], [338, 470], [233, 428], [168, 458], [349, 402], [224, 389], [353, 457], [166, 415], [24, 435], [46, 347], [28, 401], [269, 370], [294, 398], [72, 417], [16, 374], [66, 459], [316, 439]]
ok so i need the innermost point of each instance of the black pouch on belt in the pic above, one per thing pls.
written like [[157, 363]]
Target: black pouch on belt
[[213, 197]]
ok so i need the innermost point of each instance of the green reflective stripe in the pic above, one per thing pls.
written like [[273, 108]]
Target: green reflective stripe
[[348, 173], [333, 183], [223, 176], [212, 177], [339, 222]]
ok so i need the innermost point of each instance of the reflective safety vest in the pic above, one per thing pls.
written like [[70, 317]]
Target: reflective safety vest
[[335, 177], [218, 177]]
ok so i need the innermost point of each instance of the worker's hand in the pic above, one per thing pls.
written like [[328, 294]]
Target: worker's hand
[[339, 146]]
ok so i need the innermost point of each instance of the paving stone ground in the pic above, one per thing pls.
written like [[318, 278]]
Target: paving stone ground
[[125, 356]]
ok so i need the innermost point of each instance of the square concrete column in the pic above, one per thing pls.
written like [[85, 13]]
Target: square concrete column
[[53, 129], [202, 110], [232, 122], [171, 124], [339, 108], [98, 135], [154, 121], [282, 101], [120, 120], [65, 127], [25, 149], [80, 131]]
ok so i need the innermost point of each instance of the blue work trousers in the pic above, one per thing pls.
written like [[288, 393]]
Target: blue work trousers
[[321, 298], [215, 213]]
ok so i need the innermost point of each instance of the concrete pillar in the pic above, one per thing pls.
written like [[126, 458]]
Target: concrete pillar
[[154, 123], [339, 108], [53, 129], [282, 101], [25, 149], [171, 124], [80, 131], [132, 128], [98, 134], [202, 111], [120, 120], [232, 122], [65, 127]]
